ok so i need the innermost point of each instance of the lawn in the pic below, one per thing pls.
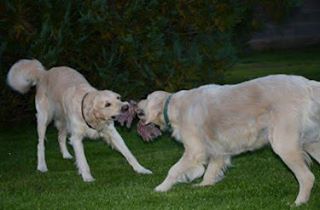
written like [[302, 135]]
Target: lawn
[[257, 180]]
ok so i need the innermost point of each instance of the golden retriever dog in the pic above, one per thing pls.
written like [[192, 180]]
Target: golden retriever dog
[[64, 96], [215, 122]]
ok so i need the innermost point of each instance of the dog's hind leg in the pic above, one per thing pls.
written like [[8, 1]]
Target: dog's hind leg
[[43, 119], [62, 138], [285, 143], [215, 171], [314, 150], [81, 160]]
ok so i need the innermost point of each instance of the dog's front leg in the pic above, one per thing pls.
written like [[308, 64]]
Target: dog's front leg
[[111, 136], [185, 170], [81, 160], [215, 170]]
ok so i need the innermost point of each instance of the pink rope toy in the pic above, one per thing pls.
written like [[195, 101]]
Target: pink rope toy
[[148, 132]]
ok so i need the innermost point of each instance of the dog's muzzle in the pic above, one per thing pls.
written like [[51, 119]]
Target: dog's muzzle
[[140, 113]]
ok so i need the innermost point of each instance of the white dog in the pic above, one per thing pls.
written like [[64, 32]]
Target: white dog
[[78, 109], [216, 122]]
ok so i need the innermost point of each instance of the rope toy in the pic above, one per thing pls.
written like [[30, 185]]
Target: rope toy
[[148, 132]]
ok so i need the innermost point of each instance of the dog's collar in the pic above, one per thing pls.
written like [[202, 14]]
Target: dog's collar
[[84, 118], [165, 114]]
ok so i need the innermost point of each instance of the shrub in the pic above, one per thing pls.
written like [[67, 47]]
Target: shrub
[[132, 47]]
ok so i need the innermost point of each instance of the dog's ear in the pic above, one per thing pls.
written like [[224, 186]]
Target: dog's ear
[[157, 103], [98, 116], [160, 98], [92, 111], [159, 108]]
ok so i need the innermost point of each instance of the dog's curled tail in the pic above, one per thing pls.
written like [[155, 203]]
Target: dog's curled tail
[[24, 74]]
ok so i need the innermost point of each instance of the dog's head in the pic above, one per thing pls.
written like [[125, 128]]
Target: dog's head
[[150, 110], [102, 107]]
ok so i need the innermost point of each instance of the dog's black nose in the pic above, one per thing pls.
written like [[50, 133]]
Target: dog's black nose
[[124, 108]]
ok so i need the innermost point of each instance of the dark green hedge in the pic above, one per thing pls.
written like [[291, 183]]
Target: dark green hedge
[[130, 46]]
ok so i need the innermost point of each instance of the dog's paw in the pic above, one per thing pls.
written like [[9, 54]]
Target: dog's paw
[[143, 171], [297, 203], [199, 185], [203, 184], [88, 178], [67, 156], [42, 168], [162, 188], [301, 199]]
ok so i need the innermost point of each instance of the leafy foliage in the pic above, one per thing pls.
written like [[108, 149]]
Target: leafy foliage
[[131, 47]]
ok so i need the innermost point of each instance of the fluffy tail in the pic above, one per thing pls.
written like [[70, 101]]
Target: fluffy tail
[[24, 74]]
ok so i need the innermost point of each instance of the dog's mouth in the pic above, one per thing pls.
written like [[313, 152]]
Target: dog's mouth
[[148, 131], [140, 113]]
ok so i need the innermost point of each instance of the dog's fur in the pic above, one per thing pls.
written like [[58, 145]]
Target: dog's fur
[[216, 122], [60, 97]]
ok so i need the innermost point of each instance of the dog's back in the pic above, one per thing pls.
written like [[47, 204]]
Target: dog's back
[[224, 111], [60, 87], [61, 80], [27, 73]]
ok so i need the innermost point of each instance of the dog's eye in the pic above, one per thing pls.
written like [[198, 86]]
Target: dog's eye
[[107, 104], [118, 97]]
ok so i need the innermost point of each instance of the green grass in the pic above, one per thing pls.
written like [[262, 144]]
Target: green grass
[[298, 62], [257, 180]]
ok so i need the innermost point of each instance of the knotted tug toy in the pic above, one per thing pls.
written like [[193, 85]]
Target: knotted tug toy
[[148, 132], [126, 117]]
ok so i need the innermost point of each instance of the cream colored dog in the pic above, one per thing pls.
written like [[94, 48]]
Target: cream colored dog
[[216, 122], [78, 109]]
